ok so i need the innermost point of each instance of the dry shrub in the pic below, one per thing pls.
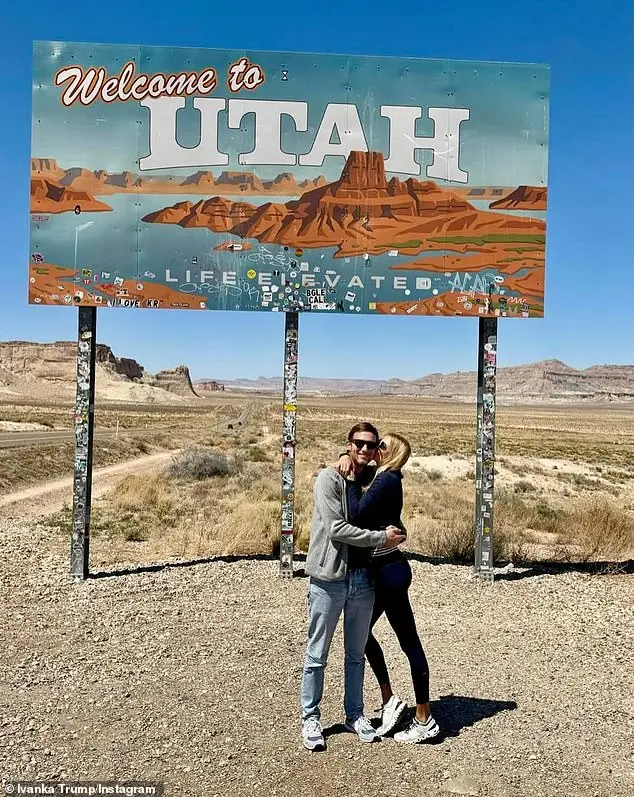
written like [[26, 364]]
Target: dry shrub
[[252, 528], [452, 538], [596, 530], [143, 492], [441, 523], [198, 462]]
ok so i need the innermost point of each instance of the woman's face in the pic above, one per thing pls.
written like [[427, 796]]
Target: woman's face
[[382, 452]]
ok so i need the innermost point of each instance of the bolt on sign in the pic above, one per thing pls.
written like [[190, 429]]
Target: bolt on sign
[[168, 178]]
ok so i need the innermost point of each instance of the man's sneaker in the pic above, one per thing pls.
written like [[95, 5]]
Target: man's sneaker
[[391, 714], [418, 732], [312, 735], [363, 728]]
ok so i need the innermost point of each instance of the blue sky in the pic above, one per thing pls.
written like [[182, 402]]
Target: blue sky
[[590, 49]]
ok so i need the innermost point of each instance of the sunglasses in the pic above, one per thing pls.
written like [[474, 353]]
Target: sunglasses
[[369, 444]]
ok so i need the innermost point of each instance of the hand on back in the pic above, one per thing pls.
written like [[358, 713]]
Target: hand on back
[[394, 537]]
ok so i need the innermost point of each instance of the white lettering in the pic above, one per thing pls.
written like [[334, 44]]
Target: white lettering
[[445, 143], [268, 129], [229, 277], [344, 120], [423, 283], [264, 279], [400, 283], [377, 281], [330, 281], [165, 151], [168, 276], [355, 282]]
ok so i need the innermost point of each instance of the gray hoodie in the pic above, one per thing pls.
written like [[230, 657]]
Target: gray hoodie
[[330, 533]]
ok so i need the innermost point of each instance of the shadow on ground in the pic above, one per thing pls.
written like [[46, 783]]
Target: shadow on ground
[[537, 568], [453, 713], [159, 566], [525, 571]]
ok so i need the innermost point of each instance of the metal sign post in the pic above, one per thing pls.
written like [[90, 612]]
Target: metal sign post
[[485, 452], [84, 425], [291, 329]]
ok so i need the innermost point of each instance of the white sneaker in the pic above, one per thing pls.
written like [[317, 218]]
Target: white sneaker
[[391, 714], [312, 735], [418, 732], [363, 728]]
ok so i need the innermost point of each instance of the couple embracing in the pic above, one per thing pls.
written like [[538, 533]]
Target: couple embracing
[[355, 567]]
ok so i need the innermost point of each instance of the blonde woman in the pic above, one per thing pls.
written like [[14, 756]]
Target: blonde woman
[[378, 506]]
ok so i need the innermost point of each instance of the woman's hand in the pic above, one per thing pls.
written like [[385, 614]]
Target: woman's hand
[[344, 465]]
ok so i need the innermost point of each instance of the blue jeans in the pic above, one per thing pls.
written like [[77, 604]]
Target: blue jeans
[[326, 600]]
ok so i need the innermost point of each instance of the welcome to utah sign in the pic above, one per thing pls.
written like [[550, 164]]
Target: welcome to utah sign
[[210, 179]]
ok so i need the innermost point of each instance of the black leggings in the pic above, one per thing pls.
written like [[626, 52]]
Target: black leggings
[[392, 579]]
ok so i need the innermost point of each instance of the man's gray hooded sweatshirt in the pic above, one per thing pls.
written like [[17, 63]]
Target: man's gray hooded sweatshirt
[[330, 533]]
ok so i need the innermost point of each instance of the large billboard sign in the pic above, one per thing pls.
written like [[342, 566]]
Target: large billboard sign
[[214, 179]]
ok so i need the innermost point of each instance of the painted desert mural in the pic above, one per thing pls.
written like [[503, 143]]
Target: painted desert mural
[[453, 251], [171, 178]]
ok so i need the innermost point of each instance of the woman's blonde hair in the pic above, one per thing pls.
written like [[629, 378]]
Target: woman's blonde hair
[[396, 450]]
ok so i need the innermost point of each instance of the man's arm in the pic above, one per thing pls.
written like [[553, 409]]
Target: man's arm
[[328, 500]]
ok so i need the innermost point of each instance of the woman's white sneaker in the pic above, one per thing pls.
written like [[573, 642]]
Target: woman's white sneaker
[[391, 713], [418, 732], [363, 728]]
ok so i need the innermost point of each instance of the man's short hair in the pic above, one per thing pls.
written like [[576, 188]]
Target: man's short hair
[[364, 426]]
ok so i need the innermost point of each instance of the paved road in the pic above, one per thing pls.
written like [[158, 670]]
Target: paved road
[[14, 439]]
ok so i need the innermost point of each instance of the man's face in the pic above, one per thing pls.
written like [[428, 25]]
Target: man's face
[[362, 449]]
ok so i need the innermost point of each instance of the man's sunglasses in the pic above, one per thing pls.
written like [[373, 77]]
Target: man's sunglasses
[[369, 444]]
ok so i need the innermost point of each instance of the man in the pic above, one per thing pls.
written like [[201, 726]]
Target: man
[[337, 564]]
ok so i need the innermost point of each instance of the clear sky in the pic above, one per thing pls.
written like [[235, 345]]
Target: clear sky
[[590, 256]]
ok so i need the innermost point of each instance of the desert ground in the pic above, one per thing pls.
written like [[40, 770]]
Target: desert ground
[[179, 659]]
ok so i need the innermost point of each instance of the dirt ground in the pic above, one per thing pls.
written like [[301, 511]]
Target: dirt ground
[[188, 673], [186, 669]]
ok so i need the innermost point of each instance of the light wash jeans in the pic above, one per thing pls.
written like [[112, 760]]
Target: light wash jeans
[[326, 600]]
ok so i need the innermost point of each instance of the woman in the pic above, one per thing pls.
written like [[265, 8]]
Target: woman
[[375, 507]]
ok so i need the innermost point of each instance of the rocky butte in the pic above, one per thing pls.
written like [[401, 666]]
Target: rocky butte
[[526, 197], [23, 363], [49, 196], [360, 212]]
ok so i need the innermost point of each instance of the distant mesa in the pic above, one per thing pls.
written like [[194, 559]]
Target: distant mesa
[[539, 382], [49, 196], [526, 197], [204, 179], [208, 385], [243, 181], [101, 182], [361, 212]]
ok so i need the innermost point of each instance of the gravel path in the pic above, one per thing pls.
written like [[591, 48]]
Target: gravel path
[[190, 675]]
